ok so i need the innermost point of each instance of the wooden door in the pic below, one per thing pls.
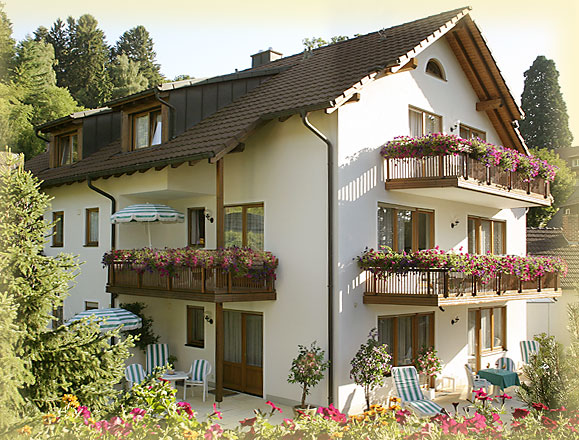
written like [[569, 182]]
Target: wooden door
[[243, 357]]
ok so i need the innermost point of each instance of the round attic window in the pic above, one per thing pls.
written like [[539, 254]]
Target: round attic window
[[434, 68]]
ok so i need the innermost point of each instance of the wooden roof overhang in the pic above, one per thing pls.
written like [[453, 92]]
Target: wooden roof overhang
[[210, 297], [495, 98]]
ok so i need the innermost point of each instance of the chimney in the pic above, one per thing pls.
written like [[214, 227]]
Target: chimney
[[264, 57], [571, 226]]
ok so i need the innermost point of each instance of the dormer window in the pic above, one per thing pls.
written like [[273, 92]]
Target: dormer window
[[434, 68], [147, 128], [67, 148]]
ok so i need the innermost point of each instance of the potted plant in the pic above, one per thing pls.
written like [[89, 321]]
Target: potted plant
[[371, 365], [428, 363], [307, 370], [171, 360]]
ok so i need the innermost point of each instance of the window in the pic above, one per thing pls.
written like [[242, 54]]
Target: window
[[91, 305], [575, 163], [405, 335], [467, 132], [405, 229], [434, 68], [92, 227], [147, 128], [486, 236], [58, 315], [423, 122], [67, 148], [195, 326], [196, 227], [244, 226], [486, 330], [58, 231]]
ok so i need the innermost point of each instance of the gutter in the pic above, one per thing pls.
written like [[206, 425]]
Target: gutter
[[330, 258], [113, 228], [37, 134]]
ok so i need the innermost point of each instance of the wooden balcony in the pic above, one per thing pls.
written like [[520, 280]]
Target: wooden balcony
[[455, 177], [441, 287], [194, 284]]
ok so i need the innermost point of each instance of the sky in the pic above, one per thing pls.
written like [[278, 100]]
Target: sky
[[207, 38]]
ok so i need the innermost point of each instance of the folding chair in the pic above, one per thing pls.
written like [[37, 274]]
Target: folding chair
[[134, 374], [528, 348], [408, 388], [157, 356], [198, 375]]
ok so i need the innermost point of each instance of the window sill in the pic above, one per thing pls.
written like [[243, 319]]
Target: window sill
[[57, 246], [91, 245], [493, 352], [195, 345]]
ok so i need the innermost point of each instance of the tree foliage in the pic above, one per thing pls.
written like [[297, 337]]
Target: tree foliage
[[76, 359], [126, 77], [6, 44], [315, 42], [144, 335], [561, 189], [546, 124], [137, 45]]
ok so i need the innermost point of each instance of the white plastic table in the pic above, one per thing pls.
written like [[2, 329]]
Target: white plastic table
[[174, 377]]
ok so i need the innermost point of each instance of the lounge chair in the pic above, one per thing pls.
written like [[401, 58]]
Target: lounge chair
[[198, 376], [528, 348], [134, 374], [408, 388]]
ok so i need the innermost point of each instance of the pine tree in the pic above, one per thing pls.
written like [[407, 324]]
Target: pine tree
[[75, 359], [546, 124], [59, 37], [6, 44], [137, 44], [126, 77], [87, 76]]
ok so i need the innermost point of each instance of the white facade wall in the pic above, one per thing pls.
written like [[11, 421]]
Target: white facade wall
[[551, 318], [379, 116]]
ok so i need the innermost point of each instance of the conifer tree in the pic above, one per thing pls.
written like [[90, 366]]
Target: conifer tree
[[546, 123], [126, 77], [73, 359], [6, 44], [137, 44]]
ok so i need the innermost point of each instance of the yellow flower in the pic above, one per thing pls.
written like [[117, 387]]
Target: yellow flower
[[190, 435], [70, 400], [25, 430], [49, 419], [394, 399], [337, 435]]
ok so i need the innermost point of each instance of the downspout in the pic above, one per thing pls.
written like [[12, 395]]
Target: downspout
[[330, 171], [173, 110], [113, 228], [37, 134]]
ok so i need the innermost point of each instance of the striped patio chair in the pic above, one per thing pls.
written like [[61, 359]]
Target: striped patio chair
[[506, 363], [157, 356], [198, 376], [408, 388], [134, 374], [528, 348]]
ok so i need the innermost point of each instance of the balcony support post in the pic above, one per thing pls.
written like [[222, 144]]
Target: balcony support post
[[219, 351], [220, 208]]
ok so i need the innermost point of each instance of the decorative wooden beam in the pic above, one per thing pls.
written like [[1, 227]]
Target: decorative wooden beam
[[410, 65], [193, 162], [490, 104], [220, 208]]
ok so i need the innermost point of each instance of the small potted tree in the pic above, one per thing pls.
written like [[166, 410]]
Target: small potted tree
[[428, 364], [307, 370], [371, 365]]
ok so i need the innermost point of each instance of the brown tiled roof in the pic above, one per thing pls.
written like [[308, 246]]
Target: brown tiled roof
[[311, 82], [551, 242]]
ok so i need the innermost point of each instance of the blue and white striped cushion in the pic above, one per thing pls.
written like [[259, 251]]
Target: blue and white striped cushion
[[157, 356], [135, 373], [426, 407]]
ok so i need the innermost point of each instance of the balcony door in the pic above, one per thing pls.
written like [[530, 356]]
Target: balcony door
[[243, 352]]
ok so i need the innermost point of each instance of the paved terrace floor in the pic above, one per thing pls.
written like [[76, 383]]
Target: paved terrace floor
[[239, 406]]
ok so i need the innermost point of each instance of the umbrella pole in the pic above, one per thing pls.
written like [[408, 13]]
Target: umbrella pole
[[149, 234]]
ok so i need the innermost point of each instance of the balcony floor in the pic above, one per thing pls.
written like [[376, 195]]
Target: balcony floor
[[468, 191], [211, 297]]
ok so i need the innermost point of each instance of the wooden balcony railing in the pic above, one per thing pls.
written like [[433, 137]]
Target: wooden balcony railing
[[441, 286], [465, 167], [213, 284]]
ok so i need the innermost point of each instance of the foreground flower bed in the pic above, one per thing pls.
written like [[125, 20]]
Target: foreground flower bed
[[438, 144], [152, 412], [527, 268], [241, 262]]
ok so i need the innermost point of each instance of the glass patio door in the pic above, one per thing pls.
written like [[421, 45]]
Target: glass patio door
[[243, 352]]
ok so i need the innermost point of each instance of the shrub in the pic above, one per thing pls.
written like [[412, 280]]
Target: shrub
[[308, 369]]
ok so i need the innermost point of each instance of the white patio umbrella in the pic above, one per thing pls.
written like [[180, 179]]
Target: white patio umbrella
[[147, 213], [109, 319]]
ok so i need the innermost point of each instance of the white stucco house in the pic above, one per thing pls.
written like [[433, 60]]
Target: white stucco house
[[285, 157]]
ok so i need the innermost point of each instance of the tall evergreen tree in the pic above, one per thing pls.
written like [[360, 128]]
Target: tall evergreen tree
[[88, 78], [6, 44], [546, 124], [126, 77], [137, 44], [59, 37], [73, 359]]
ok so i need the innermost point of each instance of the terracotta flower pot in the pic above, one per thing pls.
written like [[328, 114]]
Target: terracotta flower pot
[[302, 412]]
